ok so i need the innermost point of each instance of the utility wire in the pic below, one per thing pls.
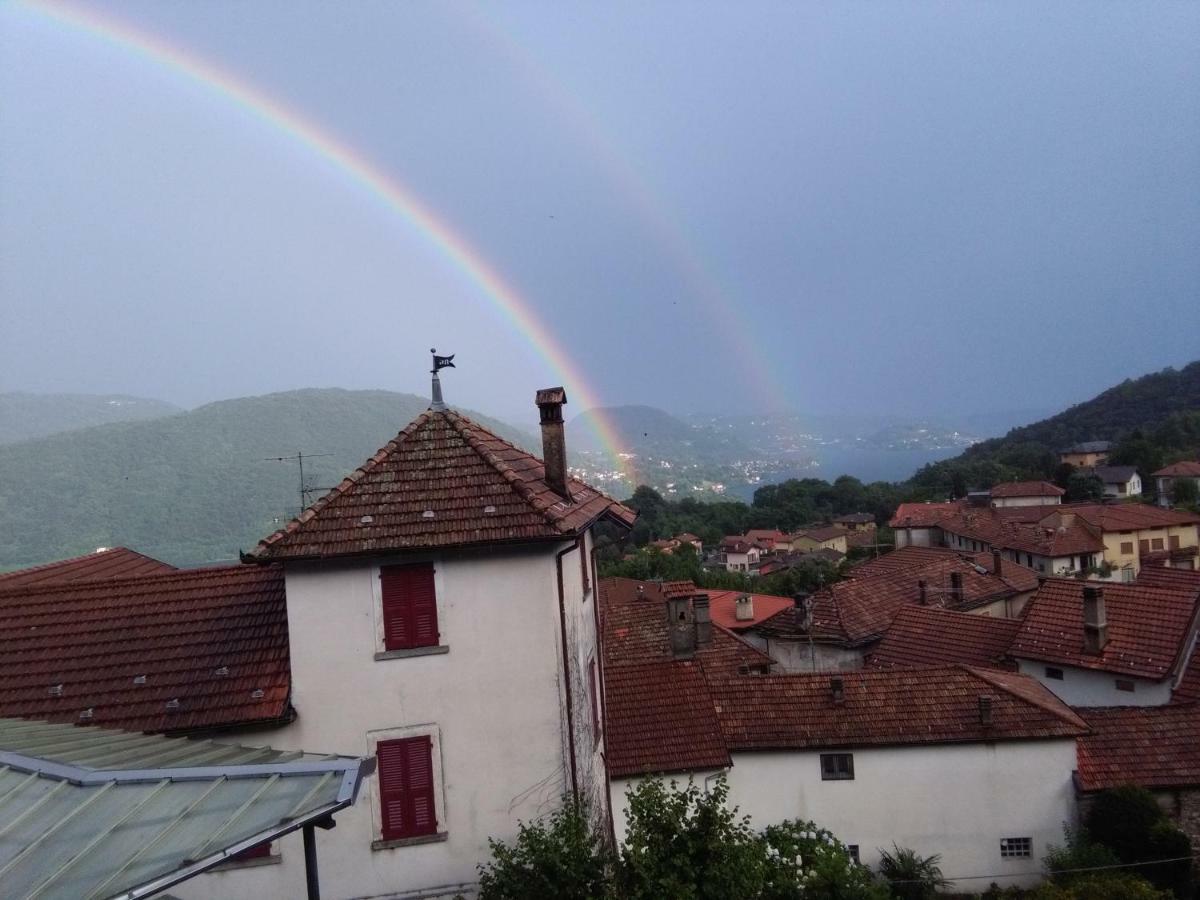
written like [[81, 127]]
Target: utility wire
[[1149, 862]]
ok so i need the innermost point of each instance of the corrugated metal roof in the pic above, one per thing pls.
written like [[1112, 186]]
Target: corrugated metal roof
[[99, 813]]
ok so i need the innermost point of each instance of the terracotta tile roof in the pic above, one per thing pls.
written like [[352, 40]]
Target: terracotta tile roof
[[443, 481], [1150, 746], [856, 518], [901, 558], [723, 608], [931, 636], [1114, 474], [1178, 579], [886, 707], [1054, 535], [737, 544], [769, 536], [826, 533], [1129, 516], [209, 638], [922, 515], [686, 538], [1089, 447], [1026, 489], [1147, 627], [1185, 469], [115, 562]]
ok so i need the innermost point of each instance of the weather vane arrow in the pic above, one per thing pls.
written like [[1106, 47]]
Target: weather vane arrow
[[439, 362]]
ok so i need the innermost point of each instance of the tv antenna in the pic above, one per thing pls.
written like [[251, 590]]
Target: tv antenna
[[305, 489]]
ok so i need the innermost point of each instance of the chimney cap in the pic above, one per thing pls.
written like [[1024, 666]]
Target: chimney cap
[[551, 396]]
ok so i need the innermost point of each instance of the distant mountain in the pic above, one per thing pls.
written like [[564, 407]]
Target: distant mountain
[[1163, 407], [193, 487], [26, 416], [648, 431]]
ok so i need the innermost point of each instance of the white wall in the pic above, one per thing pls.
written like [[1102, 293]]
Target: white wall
[[1026, 501], [915, 537], [1087, 687], [800, 656], [494, 700], [955, 800]]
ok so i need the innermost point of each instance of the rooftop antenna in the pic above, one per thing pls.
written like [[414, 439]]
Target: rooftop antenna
[[439, 362], [305, 489]]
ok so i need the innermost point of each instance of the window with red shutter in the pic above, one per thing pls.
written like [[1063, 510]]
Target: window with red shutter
[[409, 606], [262, 851], [406, 789]]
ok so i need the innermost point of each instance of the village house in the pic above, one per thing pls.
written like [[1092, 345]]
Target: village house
[[1026, 493], [440, 617], [1166, 478], [853, 522], [768, 539], [919, 524], [1057, 543], [1086, 455], [828, 537], [688, 538], [1120, 482], [1137, 535], [870, 755], [922, 636], [1108, 644], [737, 554]]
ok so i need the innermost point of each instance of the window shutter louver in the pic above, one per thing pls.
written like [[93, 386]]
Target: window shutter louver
[[409, 606], [406, 787]]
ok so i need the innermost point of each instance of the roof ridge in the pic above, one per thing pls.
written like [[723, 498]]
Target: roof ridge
[[308, 513], [58, 587]]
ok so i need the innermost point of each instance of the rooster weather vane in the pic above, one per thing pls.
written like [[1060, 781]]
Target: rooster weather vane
[[439, 362]]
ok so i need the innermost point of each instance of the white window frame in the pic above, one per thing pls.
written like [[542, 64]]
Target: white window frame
[[439, 784], [1022, 841]]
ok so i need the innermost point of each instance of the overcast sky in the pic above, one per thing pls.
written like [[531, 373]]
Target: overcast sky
[[912, 207]]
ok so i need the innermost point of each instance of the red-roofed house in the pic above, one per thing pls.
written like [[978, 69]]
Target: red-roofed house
[[1026, 493], [933, 636], [1107, 644], [828, 537], [1166, 478], [105, 563], [918, 524], [871, 755], [738, 554]]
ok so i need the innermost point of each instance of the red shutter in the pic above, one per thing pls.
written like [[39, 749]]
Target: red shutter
[[406, 787], [409, 606], [260, 851]]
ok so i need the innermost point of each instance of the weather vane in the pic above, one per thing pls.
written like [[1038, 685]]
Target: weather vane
[[439, 362]]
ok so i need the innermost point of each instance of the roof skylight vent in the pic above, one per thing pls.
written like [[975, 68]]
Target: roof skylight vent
[[366, 520], [257, 694], [428, 514], [489, 509], [223, 670], [139, 679], [173, 704], [86, 714], [55, 690]]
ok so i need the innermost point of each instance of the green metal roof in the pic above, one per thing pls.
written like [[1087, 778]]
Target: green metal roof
[[97, 813]]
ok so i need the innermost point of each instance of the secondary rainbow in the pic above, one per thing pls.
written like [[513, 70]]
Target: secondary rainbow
[[450, 244]]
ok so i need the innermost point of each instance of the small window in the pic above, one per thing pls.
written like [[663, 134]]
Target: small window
[[1127, 548], [409, 607], [1055, 673], [852, 849], [406, 787], [1016, 848], [837, 766], [1157, 543], [1122, 489], [1124, 684], [1173, 542]]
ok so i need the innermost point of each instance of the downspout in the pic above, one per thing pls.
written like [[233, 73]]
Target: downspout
[[612, 828], [562, 622]]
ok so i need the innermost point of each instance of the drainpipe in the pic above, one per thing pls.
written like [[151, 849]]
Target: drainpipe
[[562, 622], [612, 828]]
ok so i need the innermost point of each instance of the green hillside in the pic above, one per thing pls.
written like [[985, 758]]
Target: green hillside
[[27, 416], [193, 487], [1153, 420]]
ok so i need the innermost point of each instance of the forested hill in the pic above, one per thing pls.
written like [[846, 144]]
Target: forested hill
[[193, 487], [27, 416], [1153, 420]]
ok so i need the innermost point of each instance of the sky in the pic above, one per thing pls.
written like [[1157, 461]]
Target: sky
[[913, 208]]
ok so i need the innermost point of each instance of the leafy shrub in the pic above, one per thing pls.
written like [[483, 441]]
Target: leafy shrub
[[1129, 821], [911, 876], [804, 860], [1078, 852], [557, 857], [1100, 886]]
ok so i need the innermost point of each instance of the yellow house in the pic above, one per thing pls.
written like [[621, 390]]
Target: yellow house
[[831, 537], [1087, 454], [1135, 534]]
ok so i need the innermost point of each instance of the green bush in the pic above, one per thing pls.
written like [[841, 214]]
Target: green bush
[[1129, 821], [1078, 852], [1100, 886], [557, 857], [804, 860], [910, 875]]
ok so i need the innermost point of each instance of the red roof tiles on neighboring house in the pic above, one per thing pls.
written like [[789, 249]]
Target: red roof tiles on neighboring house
[[821, 535], [1185, 469], [1129, 516], [115, 562], [1147, 628], [1149, 746], [1026, 489], [723, 608], [444, 481], [922, 515], [214, 640], [897, 560], [931, 636]]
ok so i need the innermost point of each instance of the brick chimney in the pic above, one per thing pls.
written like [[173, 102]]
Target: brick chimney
[[1095, 620], [956, 588], [700, 611], [837, 690], [985, 710], [744, 610], [681, 626], [922, 592], [997, 564], [550, 402]]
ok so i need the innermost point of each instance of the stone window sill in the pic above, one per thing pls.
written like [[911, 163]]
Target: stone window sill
[[410, 842], [411, 651]]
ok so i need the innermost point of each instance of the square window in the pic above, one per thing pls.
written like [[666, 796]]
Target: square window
[[409, 605], [1016, 848], [1127, 548], [1055, 673], [1123, 684], [1156, 543], [853, 850], [406, 788], [837, 766]]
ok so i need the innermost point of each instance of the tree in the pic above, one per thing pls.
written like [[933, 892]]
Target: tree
[[1129, 822], [1184, 492], [557, 857], [1084, 487], [911, 876]]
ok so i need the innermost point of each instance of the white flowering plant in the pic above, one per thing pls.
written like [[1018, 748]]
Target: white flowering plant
[[806, 862]]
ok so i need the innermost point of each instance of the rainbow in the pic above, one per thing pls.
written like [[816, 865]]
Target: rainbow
[[450, 244]]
